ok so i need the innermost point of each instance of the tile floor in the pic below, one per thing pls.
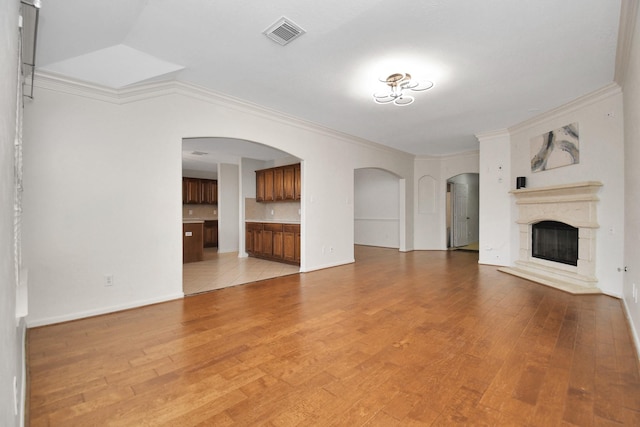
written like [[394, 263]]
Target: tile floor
[[224, 270]]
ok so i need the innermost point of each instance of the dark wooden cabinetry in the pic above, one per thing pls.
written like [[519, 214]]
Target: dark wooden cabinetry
[[209, 191], [192, 245], [190, 190], [199, 191], [279, 184], [210, 234], [276, 242]]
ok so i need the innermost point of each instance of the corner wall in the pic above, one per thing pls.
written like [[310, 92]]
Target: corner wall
[[430, 176], [631, 97]]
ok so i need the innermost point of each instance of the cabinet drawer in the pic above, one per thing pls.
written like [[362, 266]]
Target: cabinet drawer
[[291, 228], [272, 227]]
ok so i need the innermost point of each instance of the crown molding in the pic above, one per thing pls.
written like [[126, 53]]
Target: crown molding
[[612, 89], [469, 153], [146, 91], [493, 134], [628, 16]]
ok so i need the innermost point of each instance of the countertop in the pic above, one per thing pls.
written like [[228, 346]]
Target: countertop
[[196, 220]]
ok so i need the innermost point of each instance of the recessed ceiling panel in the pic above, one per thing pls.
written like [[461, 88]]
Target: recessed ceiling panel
[[115, 67]]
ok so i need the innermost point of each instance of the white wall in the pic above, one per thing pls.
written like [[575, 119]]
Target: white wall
[[631, 91], [94, 156], [496, 223], [376, 208], [431, 175], [228, 208], [601, 159], [10, 335]]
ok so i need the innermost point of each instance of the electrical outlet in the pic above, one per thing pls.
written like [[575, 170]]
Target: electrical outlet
[[108, 280]]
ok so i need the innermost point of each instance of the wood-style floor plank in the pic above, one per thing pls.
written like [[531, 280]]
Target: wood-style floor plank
[[407, 339]]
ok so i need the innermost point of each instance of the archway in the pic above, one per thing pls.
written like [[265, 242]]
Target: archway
[[378, 208], [231, 164]]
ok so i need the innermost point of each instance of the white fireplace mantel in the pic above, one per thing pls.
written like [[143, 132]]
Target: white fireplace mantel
[[573, 204]]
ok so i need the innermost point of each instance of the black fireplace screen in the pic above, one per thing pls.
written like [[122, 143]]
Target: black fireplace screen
[[555, 241]]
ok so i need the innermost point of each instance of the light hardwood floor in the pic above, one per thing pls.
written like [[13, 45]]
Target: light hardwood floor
[[396, 339]]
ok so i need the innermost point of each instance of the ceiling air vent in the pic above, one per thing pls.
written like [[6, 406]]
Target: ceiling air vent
[[284, 31]]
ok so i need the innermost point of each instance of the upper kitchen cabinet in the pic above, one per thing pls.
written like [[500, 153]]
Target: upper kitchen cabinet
[[190, 190], [209, 191], [279, 184], [199, 191]]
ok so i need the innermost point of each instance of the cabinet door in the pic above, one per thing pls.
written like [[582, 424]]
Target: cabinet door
[[268, 185], [297, 247], [267, 243], [259, 186], [210, 234], [298, 182], [192, 186], [184, 191], [209, 191], [248, 239], [278, 244], [278, 184], [289, 182], [289, 246]]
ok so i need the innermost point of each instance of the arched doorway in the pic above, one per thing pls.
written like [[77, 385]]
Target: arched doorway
[[378, 208], [231, 164]]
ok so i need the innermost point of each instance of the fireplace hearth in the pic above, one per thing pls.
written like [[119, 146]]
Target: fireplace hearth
[[557, 228]]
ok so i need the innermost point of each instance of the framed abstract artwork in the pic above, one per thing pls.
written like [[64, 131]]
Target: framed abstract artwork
[[556, 148]]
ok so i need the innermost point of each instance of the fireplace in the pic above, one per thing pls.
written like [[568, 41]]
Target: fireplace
[[555, 241], [557, 235]]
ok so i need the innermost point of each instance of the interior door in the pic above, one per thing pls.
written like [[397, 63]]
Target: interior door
[[460, 220]]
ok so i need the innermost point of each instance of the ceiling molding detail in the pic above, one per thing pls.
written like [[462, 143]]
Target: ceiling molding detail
[[607, 91], [146, 91]]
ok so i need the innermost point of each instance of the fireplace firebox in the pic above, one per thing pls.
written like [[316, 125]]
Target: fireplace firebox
[[555, 241]]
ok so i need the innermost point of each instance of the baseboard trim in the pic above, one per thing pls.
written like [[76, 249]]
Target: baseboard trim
[[634, 332], [32, 323]]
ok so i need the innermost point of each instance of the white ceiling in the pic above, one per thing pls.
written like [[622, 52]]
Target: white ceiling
[[204, 154], [494, 63]]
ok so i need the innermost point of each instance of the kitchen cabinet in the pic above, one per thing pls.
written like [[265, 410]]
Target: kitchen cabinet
[[190, 190], [209, 191], [297, 181], [199, 191], [192, 242], [289, 242], [269, 195], [253, 241], [260, 186], [210, 231], [273, 241], [279, 184]]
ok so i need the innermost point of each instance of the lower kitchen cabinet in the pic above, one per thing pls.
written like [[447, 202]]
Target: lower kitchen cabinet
[[210, 234], [192, 233], [273, 241]]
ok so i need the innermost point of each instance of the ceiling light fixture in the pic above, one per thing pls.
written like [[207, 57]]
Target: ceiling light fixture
[[398, 84]]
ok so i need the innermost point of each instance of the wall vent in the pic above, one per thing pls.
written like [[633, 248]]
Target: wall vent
[[283, 31], [199, 153]]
